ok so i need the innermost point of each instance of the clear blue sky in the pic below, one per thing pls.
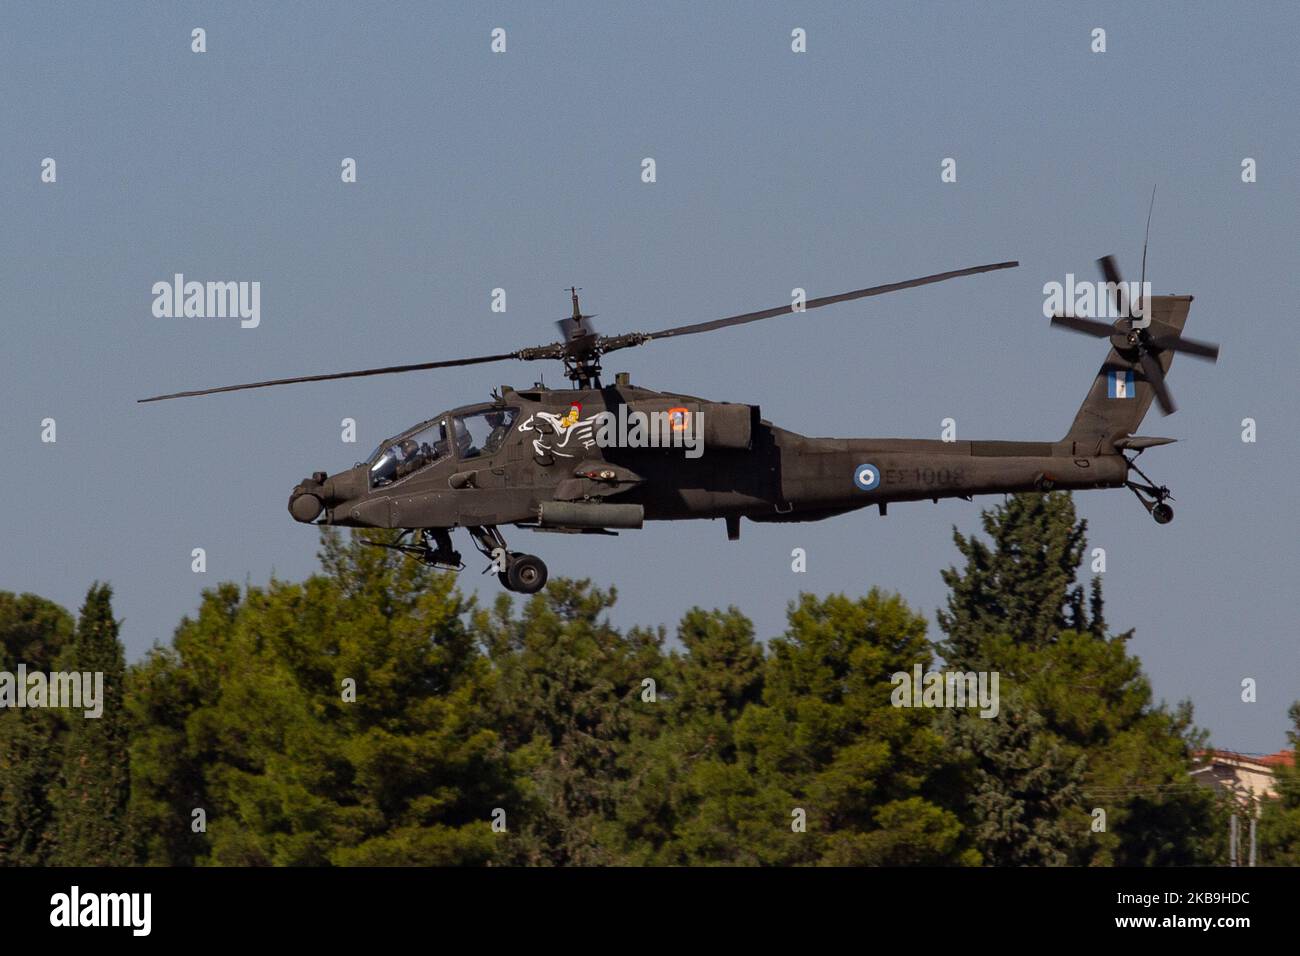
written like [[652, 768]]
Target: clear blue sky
[[775, 170]]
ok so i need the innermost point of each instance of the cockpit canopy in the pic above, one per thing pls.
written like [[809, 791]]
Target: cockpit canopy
[[465, 435]]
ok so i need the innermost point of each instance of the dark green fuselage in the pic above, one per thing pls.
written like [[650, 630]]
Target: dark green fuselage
[[759, 471]]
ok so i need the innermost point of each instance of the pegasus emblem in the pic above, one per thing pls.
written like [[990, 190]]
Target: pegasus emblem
[[564, 436]]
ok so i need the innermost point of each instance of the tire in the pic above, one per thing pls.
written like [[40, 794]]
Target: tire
[[1162, 513], [527, 574]]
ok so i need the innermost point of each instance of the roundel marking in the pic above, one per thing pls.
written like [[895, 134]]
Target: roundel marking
[[866, 477]]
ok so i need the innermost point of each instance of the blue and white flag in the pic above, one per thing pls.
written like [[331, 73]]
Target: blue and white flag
[[1120, 385]]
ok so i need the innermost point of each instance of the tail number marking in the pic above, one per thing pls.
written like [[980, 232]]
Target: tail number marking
[[946, 477]]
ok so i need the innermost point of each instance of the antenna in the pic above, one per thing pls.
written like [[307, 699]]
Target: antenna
[[1147, 237]]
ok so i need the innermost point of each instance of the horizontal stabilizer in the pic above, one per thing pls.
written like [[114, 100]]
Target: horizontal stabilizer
[[1138, 443]]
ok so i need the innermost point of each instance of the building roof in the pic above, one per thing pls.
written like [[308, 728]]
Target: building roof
[[1283, 758]]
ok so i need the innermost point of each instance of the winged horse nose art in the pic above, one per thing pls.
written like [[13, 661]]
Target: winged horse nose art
[[563, 436]]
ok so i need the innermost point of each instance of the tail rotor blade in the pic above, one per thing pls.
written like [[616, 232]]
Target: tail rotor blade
[[1111, 271], [1102, 330], [1156, 376], [1193, 347]]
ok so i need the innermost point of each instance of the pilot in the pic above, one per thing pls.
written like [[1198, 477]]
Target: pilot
[[464, 441], [409, 452], [441, 447], [500, 428]]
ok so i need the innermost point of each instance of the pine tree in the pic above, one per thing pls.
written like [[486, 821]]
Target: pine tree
[[568, 700], [825, 747], [669, 765], [1087, 735], [342, 721], [33, 631], [1023, 793], [169, 762], [1020, 584], [94, 790]]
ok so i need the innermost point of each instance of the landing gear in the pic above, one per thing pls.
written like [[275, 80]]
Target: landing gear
[[504, 576], [1152, 496], [431, 546], [524, 573]]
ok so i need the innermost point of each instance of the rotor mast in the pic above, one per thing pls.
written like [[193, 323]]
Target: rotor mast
[[581, 347]]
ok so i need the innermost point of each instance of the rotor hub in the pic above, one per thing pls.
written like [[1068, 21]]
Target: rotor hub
[[1128, 339]]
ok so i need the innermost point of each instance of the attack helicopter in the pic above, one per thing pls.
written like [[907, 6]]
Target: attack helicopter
[[568, 461]]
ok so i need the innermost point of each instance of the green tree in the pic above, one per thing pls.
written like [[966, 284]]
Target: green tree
[[34, 632], [341, 721], [1020, 583], [1022, 797], [164, 692], [568, 699], [92, 795], [825, 743], [1278, 830], [1087, 733], [670, 765]]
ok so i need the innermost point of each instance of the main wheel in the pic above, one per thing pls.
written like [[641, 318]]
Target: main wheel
[[1162, 513], [526, 574]]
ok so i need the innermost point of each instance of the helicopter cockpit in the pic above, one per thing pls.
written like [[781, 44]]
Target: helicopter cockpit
[[476, 433], [409, 453], [482, 432]]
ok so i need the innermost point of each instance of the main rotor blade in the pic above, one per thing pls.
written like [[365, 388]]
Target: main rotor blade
[[619, 341], [1176, 343], [1102, 330], [1156, 376], [324, 378]]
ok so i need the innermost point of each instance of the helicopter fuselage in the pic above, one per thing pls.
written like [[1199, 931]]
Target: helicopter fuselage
[[550, 468], [599, 459]]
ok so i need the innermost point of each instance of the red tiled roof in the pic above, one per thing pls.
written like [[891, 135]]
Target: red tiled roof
[[1283, 758]]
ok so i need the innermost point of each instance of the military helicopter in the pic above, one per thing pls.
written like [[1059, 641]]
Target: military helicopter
[[583, 460]]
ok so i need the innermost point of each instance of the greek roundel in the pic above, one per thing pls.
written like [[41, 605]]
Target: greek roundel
[[866, 477], [1119, 384]]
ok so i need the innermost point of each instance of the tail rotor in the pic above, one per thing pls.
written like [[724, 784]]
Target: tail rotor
[[1137, 336]]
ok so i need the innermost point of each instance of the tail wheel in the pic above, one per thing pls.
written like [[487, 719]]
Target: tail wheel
[[526, 574]]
